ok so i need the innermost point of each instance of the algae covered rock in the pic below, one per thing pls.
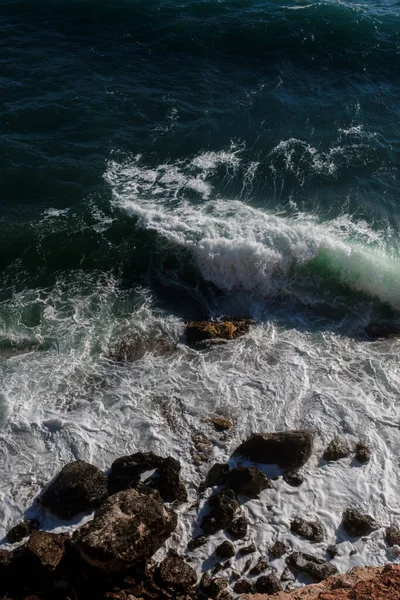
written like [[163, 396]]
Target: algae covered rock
[[223, 329]]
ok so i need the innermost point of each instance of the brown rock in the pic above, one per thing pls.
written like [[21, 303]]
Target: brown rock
[[243, 586], [237, 528], [356, 524], [311, 530], [22, 530], [217, 475], [217, 585], [223, 506], [220, 423], [176, 575], [261, 565], [316, 567], [363, 453], [290, 449], [392, 535], [225, 550], [224, 329], [196, 542], [268, 584], [47, 548], [248, 481], [278, 549], [336, 449]]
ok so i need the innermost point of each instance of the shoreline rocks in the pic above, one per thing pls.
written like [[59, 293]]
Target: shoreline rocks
[[290, 449]]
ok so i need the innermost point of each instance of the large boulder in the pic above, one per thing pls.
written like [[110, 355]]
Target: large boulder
[[289, 449], [78, 487], [223, 506], [356, 524], [248, 481], [222, 329], [313, 566], [129, 527]]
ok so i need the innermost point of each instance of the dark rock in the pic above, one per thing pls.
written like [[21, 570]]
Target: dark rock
[[311, 530], [247, 549], [207, 344], [336, 449], [278, 549], [6, 563], [47, 548], [131, 350], [392, 536], [363, 453], [382, 330], [217, 585], [225, 550], [22, 530], [205, 581], [168, 482], [313, 566], [290, 449], [293, 478], [332, 550], [248, 481], [226, 329], [227, 565], [356, 524], [220, 423], [268, 584], [224, 504], [129, 526], [238, 528], [196, 542], [247, 565], [217, 475], [261, 566], [78, 487], [223, 595], [176, 575], [243, 586]]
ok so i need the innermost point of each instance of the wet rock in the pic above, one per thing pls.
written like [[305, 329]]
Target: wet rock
[[207, 344], [205, 581], [247, 549], [313, 566], [392, 536], [278, 549], [202, 448], [243, 586], [290, 449], [131, 350], [196, 542], [220, 423], [168, 482], [287, 575], [248, 481], [6, 563], [223, 329], [356, 524], [382, 330], [217, 585], [293, 478], [268, 584], [336, 449], [22, 530], [311, 530], [223, 506], [238, 528], [261, 565], [129, 526], [175, 575], [47, 548], [217, 475], [225, 550], [223, 595], [78, 487], [363, 453], [332, 550]]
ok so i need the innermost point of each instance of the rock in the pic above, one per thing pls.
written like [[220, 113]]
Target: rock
[[217, 475], [207, 344], [261, 565], [243, 586], [293, 478], [382, 330], [224, 504], [47, 548], [278, 549], [196, 542], [129, 526], [336, 449], [217, 585], [131, 350], [224, 329], [392, 535], [356, 524], [290, 449], [225, 550], [175, 575], [311, 530], [316, 567], [220, 423], [287, 575], [78, 487], [223, 595], [205, 581], [268, 584], [248, 481], [22, 530], [247, 549], [168, 482], [237, 528], [332, 550], [363, 453]]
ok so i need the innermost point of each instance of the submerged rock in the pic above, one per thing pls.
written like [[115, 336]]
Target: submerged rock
[[286, 448], [336, 449], [78, 487], [130, 526], [316, 567], [248, 481], [311, 530], [223, 329], [133, 349], [223, 506], [220, 423], [356, 524], [363, 453]]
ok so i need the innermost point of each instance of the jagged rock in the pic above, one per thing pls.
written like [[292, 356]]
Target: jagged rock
[[225, 550], [261, 565], [168, 482], [205, 581], [336, 449], [290, 449], [293, 478], [224, 504], [176, 575], [128, 527], [316, 567], [247, 549], [248, 481], [363, 453], [243, 586], [220, 423], [22, 530], [356, 524], [47, 548], [392, 536], [332, 550], [224, 329], [196, 542], [268, 584], [238, 528], [78, 487], [311, 530], [278, 549], [217, 585], [217, 475]]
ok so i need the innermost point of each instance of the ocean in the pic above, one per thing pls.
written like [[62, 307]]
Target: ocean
[[171, 160]]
